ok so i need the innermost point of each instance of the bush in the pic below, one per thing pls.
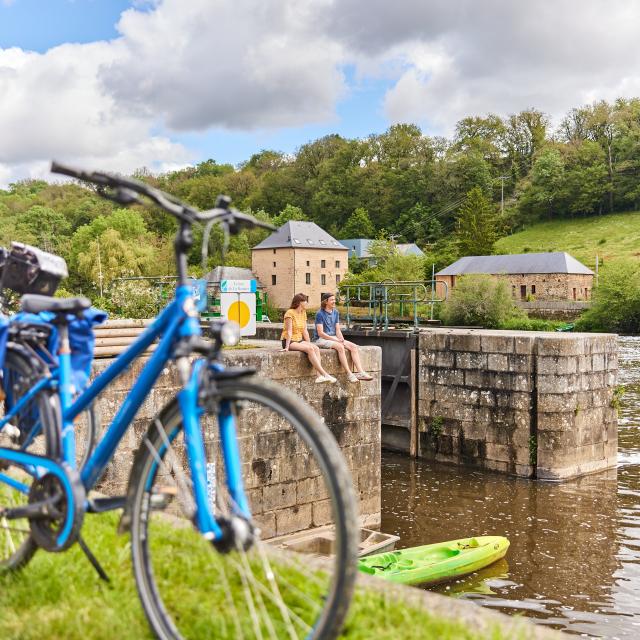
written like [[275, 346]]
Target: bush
[[524, 323], [480, 300], [616, 300]]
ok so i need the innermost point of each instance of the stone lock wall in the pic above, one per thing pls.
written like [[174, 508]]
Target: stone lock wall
[[527, 404], [284, 491]]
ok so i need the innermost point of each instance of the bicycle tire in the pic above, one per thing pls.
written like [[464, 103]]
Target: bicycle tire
[[161, 594], [39, 415]]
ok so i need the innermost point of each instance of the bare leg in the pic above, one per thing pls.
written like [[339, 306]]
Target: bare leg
[[313, 353], [342, 355], [355, 355]]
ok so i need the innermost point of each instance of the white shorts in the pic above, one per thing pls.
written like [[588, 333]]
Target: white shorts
[[323, 343]]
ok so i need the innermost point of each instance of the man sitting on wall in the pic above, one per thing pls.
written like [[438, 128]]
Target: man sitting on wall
[[329, 336]]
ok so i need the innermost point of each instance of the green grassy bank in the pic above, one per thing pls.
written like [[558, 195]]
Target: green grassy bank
[[610, 237], [60, 597]]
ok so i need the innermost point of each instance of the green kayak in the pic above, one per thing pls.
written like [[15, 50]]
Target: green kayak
[[433, 563]]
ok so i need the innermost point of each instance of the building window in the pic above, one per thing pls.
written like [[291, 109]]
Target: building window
[[307, 278], [337, 278], [513, 290], [274, 264], [533, 289], [274, 251], [323, 264], [575, 293], [323, 279], [337, 264], [273, 279], [523, 291], [307, 263], [586, 293]]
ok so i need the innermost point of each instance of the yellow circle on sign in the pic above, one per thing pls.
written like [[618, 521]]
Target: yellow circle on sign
[[239, 312]]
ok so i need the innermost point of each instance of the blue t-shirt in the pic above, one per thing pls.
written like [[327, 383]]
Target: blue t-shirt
[[328, 320]]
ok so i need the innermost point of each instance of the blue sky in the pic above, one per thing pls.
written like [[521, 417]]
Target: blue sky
[[39, 25]]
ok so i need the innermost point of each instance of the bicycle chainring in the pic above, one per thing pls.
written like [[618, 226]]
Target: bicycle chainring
[[48, 524]]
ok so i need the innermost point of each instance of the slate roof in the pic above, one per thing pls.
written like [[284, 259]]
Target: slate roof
[[300, 235], [230, 273], [556, 262], [359, 247]]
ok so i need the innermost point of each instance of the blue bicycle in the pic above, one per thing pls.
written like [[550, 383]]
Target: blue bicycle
[[233, 463]]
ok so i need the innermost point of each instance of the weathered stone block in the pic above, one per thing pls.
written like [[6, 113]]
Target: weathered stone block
[[497, 342], [466, 360], [464, 341], [296, 518], [497, 362], [551, 402]]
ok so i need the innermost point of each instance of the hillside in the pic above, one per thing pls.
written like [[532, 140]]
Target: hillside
[[610, 237]]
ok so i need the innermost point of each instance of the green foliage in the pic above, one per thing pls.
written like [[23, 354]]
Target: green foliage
[[524, 323], [479, 300], [616, 300], [616, 397], [477, 225], [435, 428], [358, 225], [288, 214]]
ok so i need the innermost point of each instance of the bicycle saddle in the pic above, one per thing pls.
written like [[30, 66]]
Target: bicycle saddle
[[33, 303]]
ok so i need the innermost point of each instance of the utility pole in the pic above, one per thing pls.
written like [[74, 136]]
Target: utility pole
[[502, 179]]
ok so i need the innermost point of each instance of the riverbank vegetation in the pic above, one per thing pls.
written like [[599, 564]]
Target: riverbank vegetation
[[60, 596]]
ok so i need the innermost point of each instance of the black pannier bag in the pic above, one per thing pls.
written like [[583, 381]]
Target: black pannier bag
[[27, 269]]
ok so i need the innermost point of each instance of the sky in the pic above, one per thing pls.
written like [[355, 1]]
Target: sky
[[126, 84]]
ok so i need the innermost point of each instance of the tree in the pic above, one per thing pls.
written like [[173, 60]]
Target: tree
[[477, 225], [616, 300], [289, 213], [480, 300], [111, 256], [358, 225]]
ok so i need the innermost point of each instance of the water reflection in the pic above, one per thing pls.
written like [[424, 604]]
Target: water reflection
[[574, 560]]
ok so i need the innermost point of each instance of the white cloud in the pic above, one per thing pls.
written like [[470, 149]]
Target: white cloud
[[468, 57], [241, 65], [249, 65]]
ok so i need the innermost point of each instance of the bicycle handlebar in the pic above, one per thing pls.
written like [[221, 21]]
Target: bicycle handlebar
[[123, 187]]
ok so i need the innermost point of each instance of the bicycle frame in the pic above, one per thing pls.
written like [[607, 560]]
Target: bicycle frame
[[179, 319]]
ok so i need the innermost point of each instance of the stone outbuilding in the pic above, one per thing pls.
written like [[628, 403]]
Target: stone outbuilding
[[533, 276], [299, 257]]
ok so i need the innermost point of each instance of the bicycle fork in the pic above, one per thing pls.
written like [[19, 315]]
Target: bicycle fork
[[224, 533]]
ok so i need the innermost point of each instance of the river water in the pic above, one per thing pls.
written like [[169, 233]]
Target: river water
[[574, 560]]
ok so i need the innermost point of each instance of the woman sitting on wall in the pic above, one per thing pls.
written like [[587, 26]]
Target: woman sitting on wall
[[295, 336], [329, 336]]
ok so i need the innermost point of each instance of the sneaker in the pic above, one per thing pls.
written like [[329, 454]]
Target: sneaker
[[352, 377], [332, 379], [363, 375], [321, 379]]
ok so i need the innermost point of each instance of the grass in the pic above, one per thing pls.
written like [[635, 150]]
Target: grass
[[610, 237], [58, 596]]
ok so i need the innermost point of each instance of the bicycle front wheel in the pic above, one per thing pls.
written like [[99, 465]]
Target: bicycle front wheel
[[302, 501]]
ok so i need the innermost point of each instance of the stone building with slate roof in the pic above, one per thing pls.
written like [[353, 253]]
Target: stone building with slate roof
[[299, 257], [533, 276]]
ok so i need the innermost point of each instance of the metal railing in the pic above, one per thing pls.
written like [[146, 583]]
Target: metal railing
[[381, 297]]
